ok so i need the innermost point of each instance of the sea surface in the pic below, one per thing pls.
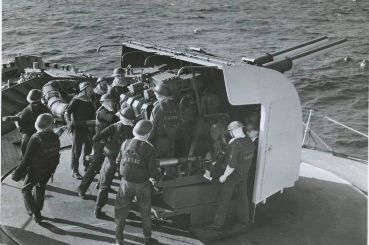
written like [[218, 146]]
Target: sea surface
[[69, 32]]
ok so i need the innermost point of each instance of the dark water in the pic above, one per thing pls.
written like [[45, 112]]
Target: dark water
[[69, 32]]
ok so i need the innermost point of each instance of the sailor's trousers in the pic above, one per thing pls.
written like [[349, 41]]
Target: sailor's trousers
[[107, 173], [224, 199], [126, 193], [81, 137], [33, 190], [94, 168], [24, 142]]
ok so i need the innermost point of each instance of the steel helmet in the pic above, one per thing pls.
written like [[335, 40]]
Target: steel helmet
[[106, 97], [127, 115], [118, 71], [235, 124], [142, 128], [84, 85], [100, 79], [101, 86], [44, 121], [34, 95], [162, 89]]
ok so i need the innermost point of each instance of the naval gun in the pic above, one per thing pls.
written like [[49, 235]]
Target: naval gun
[[213, 90]]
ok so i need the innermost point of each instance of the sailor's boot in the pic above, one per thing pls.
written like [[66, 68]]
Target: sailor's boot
[[98, 213]]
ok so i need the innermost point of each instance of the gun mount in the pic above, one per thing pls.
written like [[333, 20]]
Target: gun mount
[[210, 91]]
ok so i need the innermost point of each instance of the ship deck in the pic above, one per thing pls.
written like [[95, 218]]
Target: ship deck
[[321, 209]]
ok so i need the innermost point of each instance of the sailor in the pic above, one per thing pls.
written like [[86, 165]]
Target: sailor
[[28, 115], [138, 170], [239, 158], [100, 89], [218, 151], [39, 162], [252, 131], [252, 126], [114, 135], [105, 116], [166, 120], [80, 110], [210, 102], [119, 85]]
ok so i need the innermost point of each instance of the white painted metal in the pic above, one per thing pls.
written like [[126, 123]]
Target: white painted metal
[[204, 60], [280, 134]]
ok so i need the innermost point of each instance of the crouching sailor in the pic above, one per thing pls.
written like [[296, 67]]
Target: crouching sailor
[[114, 135], [136, 168], [40, 161], [239, 159]]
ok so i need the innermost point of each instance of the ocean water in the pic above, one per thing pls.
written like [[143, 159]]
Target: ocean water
[[69, 32]]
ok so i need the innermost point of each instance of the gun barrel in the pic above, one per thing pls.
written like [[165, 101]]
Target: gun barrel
[[319, 50], [299, 45], [269, 57], [287, 63], [171, 162]]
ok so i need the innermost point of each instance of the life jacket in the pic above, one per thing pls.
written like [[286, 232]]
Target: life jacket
[[47, 156], [170, 119], [134, 164]]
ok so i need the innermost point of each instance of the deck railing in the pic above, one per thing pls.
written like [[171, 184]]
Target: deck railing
[[311, 134]]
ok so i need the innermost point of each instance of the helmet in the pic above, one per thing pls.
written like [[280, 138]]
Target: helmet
[[100, 79], [44, 121], [101, 86], [234, 125], [34, 95], [142, 128], [118, 71], [106, 97], [84, 85], [127, 115], [162, 89]]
